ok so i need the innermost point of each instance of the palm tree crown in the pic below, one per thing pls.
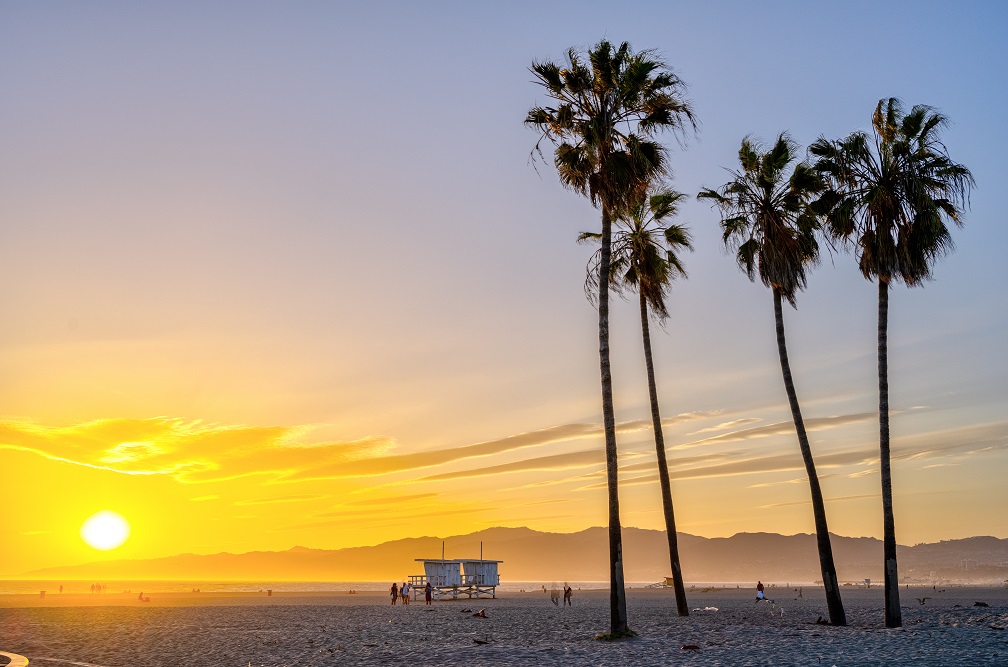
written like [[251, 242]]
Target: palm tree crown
[[645, 250], [890, 197], [605, 113], [765, 215]]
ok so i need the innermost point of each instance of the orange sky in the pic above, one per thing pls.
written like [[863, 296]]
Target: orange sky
[[253, 296]]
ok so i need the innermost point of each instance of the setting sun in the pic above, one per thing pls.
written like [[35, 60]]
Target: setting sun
[[105, 530]]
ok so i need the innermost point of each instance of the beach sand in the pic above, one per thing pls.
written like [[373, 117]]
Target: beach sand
[[116, 630]]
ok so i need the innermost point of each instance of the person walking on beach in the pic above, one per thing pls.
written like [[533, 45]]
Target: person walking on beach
[[404, 593], [428, 593], [395, 593], [567, 595], [759, 591]]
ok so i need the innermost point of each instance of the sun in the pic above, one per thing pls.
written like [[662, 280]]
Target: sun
[[105, 530]]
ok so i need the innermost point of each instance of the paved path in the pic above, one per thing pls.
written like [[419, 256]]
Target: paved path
[[15, 659]]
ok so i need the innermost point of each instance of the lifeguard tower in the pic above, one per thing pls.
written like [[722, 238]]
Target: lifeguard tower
[[473, 577]]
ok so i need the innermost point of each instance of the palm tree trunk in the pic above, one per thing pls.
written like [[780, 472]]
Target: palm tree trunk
[[893, 614], [663, 475], [826, 566], [617, 594]]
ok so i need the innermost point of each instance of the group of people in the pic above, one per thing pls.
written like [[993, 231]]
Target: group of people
[[404, 591], [400, 592], [567, 593]]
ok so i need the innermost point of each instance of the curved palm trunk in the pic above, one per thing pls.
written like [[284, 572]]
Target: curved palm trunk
[[617, 594], [893, 615], [663, 475], [826, 566]]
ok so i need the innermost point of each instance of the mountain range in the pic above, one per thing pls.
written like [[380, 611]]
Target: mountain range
[[533, 556]]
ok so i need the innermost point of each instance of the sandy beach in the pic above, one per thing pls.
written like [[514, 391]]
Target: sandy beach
[[115, 630]]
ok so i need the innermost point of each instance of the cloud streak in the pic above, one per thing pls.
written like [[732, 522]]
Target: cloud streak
[[782, 428], [961, 441], [193, 452]]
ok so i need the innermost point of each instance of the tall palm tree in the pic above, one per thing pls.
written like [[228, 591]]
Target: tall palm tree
[[890, 198], [766, 219], [610, 103], [645, 260]]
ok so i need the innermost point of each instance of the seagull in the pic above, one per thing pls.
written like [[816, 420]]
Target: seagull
[[922, 600]]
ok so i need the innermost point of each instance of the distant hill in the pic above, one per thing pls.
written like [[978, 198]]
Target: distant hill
[[530, 555]]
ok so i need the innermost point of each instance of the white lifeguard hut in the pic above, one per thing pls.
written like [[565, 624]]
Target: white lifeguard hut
[[472, 577]]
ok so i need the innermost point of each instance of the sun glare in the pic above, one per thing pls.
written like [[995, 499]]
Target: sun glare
[[105, 530]]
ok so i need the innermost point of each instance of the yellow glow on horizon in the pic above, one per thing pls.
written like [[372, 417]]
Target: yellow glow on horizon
[[105, 530]]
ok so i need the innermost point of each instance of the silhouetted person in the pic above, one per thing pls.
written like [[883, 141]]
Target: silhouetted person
[[567, 596], [759, 591], [428, 593], [395, 593]]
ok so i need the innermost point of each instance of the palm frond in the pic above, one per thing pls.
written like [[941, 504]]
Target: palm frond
[[890, 199], [768, 217]]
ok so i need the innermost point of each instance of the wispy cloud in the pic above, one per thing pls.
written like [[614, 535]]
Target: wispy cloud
[[391, 500], [726, 425], [782, 428], [280, 499], [787, 482], [571, 461], [960, 441], [836, 499], [393, 463], [188, 451], [193, 452]]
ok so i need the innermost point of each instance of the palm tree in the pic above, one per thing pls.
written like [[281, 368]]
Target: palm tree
[[609, 105], [890, 199], [766, 219], [644, 259]]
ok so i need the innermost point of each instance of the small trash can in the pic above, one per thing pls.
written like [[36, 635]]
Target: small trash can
[[42, 594], [269, 592]]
